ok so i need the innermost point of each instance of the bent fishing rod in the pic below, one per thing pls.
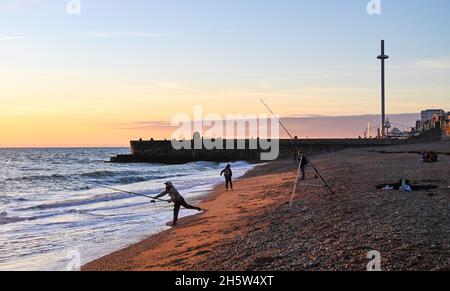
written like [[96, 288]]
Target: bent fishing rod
[[297, 145], [134, 194]]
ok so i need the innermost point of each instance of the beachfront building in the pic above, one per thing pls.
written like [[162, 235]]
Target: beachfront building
[[447, 124], [418, 125], [396, 133], [434, 118], [429, 114]]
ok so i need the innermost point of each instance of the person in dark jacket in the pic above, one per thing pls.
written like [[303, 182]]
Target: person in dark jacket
[[302, 162], [177, 199], [228, 176]]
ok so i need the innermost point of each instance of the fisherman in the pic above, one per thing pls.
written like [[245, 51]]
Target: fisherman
[[302, 162], [228, 176], [177, 199]]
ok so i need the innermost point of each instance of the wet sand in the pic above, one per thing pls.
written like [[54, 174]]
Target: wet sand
[[253, 227]]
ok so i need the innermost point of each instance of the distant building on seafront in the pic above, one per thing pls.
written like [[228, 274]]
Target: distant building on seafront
[[430, 114], [396, 133], [435, 118], [447, 124]]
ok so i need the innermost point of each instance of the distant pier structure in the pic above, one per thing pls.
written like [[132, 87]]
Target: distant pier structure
[[383, 57]]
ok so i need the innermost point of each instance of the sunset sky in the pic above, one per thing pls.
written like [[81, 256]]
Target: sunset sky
[[121, 68]]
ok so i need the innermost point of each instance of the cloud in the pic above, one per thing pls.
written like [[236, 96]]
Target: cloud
[[319, 126], [120, 34], [434, 64], [142, 125], [9, 38]]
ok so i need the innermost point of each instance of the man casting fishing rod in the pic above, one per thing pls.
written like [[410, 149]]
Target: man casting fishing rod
[[177, 199]]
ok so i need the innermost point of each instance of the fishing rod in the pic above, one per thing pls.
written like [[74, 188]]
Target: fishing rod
[[297, 145], [134, 194], [279, 121]]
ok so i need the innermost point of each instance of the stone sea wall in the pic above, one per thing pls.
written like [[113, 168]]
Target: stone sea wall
[[154, 151]]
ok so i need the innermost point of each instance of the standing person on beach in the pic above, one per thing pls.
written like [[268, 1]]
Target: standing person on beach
[[302, 162], [177, 199], [228, 176]]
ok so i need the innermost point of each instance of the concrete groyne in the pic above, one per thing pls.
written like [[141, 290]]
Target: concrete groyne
[[154, 151], [163, 151]]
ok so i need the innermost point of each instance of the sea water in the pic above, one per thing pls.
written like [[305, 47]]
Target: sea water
[[53, 209]]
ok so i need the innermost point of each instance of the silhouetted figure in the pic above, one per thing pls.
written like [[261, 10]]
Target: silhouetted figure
[[302, 162], [228, 176], [176, 198]]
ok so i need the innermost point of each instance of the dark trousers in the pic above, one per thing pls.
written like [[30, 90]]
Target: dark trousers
[[228, 181], [176, 209], [302, 169]]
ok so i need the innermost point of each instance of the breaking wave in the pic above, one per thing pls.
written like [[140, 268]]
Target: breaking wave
[[52, 199], [79, 202], [118, 177]]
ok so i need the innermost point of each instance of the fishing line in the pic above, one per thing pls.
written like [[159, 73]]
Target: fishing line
[[154, 199]]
